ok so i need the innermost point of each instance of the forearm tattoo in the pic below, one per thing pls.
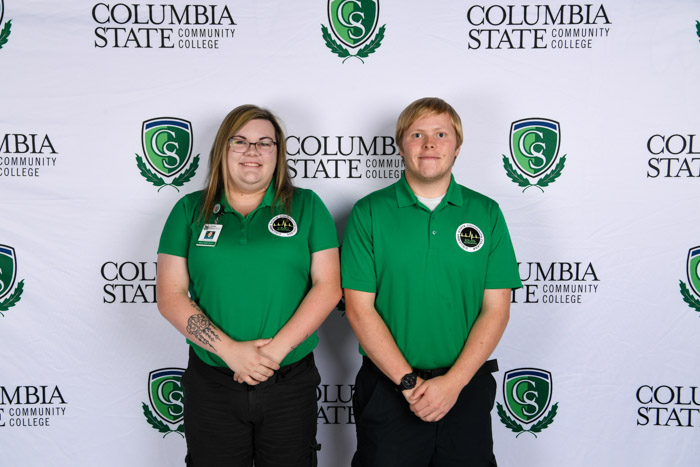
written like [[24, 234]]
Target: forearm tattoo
[[202, 328]]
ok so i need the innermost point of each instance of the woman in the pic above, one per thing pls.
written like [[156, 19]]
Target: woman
[[259, 259]]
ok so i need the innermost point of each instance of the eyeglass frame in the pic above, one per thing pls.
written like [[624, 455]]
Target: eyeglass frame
[[250, 143]]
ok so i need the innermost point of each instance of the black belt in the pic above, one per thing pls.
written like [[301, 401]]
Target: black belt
[[489, 366]]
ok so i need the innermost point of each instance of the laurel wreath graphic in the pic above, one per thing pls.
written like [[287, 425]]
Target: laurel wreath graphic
[[547, 179], [689, 298], [180, 180], [344, 53], [518, 428], [159, 425], [5, 33], [13, 298], [697, 27]]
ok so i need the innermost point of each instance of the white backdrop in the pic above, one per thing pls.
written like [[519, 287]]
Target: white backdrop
[[79, 78]]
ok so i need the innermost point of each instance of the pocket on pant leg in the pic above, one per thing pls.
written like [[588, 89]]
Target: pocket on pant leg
[[376, 401], [492, 394], [365, 385]]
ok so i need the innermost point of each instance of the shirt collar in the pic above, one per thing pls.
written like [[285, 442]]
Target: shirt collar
[[406, 197]]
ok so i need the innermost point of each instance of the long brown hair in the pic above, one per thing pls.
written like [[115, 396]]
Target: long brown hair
[[218, 167]]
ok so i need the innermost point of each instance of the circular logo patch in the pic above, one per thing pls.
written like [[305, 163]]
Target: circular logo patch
[[470, 237], [282, 226]]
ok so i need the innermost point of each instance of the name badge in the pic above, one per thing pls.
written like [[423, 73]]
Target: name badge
[[210, 235]]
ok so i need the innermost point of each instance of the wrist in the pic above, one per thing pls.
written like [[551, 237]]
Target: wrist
[[227, 346], [408, 393], [407, 382], [275, 350], [456, 379]]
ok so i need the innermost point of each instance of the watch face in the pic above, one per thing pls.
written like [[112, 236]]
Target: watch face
[[409, 381]]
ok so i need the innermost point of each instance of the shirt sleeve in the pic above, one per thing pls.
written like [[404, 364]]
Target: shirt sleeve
[[322, 234], [357, 252], [175, 238], [502, 270]]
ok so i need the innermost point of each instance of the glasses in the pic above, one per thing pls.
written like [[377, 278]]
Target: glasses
[[263, 147]]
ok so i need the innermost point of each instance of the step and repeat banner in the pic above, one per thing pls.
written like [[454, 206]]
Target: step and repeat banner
[[580, 119]]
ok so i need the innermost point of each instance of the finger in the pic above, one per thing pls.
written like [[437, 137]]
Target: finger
[[260, 377], [416, 395], [250, 380], [424, 416], [247, 378], [262, 342], [422, 386], [263, 369], [436, 416], [426, 407], [271, 364], [422, 402], [427, 415], [419, 410], [266, 372]]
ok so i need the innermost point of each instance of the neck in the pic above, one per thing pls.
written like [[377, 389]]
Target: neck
[[428, 188], [245, 202]]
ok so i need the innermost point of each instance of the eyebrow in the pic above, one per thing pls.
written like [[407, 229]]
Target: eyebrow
[[243, 137], [430, 129]]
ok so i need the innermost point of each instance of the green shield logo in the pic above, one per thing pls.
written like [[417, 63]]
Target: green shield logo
[[534, 145], [167, 143], [165, 394], [353, 21], [8, 269], [693, 268], [527, 393]]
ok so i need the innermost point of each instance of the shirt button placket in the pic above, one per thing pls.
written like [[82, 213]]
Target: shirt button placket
[[244, 233], [433, 231]]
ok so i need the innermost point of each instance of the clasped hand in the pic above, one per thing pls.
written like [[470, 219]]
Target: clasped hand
[[431, 400], [250, 364]]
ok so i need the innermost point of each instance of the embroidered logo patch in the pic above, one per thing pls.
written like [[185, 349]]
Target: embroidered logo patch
[[282, 226], [470, 237]]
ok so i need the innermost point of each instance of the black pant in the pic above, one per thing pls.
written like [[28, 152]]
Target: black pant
[[389, 434], [233, 424]]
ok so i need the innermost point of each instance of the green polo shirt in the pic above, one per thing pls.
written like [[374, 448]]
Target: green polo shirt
[[252, 281], [428, 269]]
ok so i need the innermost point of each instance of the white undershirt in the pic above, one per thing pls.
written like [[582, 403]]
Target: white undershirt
[[431, 203]]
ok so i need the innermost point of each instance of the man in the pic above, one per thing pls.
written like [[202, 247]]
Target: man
[[427, 267]]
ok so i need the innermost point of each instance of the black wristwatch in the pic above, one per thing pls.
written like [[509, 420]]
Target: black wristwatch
[[407, 382]]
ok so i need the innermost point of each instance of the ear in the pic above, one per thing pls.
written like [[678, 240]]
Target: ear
[[457, 151]]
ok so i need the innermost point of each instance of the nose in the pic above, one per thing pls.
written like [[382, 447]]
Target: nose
[[252, 148], [429, 142]]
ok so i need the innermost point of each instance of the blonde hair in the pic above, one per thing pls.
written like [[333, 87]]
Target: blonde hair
[[218, 167], [427, 106]]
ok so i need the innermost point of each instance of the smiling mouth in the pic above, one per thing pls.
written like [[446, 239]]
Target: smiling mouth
[[251, 164]]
